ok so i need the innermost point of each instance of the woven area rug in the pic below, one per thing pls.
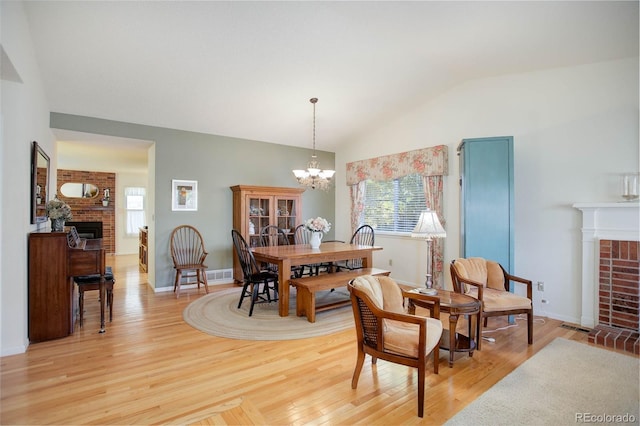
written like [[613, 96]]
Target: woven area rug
[[565, 383], [218, 314]]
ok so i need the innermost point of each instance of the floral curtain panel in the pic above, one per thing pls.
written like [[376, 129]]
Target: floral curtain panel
[[432, 163]]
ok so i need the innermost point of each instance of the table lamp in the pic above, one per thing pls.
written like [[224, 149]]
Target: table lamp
[[429, 227]]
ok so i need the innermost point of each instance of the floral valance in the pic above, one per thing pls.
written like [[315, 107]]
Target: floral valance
[[431, 161]]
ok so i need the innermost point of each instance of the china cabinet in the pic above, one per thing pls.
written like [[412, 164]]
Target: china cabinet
[[255, 207]]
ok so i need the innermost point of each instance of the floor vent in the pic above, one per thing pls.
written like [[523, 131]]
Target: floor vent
[[576, 328], [220, 276]]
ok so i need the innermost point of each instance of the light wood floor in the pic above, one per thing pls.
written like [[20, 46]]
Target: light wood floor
[[150, 367]]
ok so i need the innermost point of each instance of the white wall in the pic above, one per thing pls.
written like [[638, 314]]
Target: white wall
[[575, 129], [25, 118]]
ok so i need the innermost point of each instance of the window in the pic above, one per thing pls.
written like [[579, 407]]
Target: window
[[394, 205], [134, 202]]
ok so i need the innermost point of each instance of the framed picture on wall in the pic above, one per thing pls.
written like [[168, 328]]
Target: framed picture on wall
[[184, 195]]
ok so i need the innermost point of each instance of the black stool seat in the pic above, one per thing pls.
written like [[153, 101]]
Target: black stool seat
[[92, 282], [108, 275]]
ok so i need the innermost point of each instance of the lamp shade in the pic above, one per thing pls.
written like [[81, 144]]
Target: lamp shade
[[428, 226]]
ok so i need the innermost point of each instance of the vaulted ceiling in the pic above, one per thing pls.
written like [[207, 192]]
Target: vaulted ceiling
[[248, 69]]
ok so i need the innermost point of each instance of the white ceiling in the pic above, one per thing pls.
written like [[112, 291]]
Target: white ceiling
[[248, 69]]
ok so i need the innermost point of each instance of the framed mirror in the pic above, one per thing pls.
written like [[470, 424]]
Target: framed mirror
[[79, 190], [40, 173]]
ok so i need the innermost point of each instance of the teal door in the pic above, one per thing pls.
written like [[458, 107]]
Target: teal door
[[486, 190]]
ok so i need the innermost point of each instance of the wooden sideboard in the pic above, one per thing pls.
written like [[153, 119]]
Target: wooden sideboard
[[52, 266]]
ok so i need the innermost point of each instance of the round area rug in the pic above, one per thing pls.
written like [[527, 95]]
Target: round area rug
[[217, 314]]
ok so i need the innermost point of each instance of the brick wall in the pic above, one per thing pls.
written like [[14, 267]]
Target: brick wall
[[91, 209], [619, 296]]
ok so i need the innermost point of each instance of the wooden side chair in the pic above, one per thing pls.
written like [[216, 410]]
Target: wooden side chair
[[384, 330], [271, 235], [488, 282], [301, 235], [364, 236], [254, 277], [188, 254]]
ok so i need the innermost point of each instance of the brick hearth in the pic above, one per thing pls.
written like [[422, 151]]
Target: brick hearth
[[619, 297]]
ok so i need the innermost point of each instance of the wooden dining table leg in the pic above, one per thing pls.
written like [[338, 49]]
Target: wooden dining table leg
[[284, 273]]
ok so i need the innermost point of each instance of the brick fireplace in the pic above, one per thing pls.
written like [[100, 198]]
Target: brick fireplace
[[91, 210], [611, 274]]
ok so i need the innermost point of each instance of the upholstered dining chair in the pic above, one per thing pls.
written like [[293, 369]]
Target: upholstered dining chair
[[188, 254], [487, 281], [384, 330], [364, 236], [253, 277]]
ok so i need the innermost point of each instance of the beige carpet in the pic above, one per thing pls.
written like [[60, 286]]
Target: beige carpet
[[563, 381], [217, 314]]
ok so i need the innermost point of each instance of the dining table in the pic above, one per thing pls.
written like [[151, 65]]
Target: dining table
[[286, 256]]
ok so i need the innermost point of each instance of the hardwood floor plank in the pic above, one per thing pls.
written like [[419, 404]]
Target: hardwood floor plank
[[150, 367]]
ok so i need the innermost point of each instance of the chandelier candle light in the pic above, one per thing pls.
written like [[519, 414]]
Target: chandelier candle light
[[313, 176], [429, 227]]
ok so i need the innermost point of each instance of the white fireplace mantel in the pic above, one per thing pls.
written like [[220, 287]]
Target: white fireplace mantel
[[602, 221]]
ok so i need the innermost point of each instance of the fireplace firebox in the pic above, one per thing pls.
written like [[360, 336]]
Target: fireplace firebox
[[87, 230]]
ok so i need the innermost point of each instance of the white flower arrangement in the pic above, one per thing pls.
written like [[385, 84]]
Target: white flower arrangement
[[57, 209], [317, 225]]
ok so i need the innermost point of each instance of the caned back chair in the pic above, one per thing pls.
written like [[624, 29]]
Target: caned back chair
[[384, 330], [488, 282], [188, 254]]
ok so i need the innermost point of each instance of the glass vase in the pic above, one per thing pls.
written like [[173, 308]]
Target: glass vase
[[57, 225]]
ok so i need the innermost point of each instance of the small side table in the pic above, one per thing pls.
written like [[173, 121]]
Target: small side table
[[455, 304]]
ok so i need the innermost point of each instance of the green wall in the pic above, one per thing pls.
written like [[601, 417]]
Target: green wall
[[216, 162]]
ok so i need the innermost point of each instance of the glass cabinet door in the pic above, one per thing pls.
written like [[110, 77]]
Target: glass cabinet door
[[259, 214], [286, 215]]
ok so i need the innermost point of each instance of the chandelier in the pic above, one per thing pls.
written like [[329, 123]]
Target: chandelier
[[313, 176]]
